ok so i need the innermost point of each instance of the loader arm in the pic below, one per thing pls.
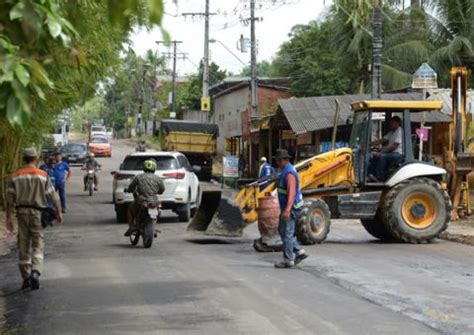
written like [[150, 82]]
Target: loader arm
[[319, 172]]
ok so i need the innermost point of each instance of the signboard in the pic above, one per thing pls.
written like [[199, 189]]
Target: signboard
[[423, 133], [206, 104], [288, 135], [304, 139], [230, 167], [130, 120], [425, 77]]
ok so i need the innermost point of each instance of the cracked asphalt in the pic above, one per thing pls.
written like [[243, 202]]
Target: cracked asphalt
[[95, 282]]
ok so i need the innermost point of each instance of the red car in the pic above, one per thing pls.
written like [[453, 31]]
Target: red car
[[100, 146]]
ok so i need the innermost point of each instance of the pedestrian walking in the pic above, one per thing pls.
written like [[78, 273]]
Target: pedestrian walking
[[291, 203], [48, 216], [28, 192], [62, 173]]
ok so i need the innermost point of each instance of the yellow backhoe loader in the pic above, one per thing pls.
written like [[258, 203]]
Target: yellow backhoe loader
[[412, 205]]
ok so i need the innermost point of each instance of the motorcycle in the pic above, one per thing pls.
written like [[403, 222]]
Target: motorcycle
[[141, 146], [145, 222], [89, 184]]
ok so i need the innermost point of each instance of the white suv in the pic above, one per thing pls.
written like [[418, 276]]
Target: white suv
[[182, 191]]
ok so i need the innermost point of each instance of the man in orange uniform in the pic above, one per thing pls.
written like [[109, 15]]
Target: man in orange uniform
[[28, 192]]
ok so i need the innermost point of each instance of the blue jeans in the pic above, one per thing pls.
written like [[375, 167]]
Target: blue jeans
[[286, 228], [379, 165], [61, 189]]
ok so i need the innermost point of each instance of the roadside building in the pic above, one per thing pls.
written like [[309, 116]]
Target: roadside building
[[304, 125], [231, 112]]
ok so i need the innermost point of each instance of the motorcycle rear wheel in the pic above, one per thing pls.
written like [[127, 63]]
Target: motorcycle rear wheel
[[148, 234]]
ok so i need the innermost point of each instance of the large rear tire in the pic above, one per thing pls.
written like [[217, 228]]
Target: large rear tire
[[416, 210], [314, 222], [377, 228], [148, 235]]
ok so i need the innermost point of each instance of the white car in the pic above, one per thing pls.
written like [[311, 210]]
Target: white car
[[98, 131], [182, 192]]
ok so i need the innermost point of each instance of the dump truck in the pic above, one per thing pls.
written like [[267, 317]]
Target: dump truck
[[412, 205], [197, 141]]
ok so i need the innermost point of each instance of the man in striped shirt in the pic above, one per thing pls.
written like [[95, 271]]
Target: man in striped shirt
[[28, 192]]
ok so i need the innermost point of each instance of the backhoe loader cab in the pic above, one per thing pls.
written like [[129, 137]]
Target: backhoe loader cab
[[370, 122]]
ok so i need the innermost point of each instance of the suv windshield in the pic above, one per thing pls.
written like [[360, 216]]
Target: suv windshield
[[133, 163], [98, 129], [75, 148]]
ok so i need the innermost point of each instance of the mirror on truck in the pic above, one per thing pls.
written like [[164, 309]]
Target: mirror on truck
[[196, 168]]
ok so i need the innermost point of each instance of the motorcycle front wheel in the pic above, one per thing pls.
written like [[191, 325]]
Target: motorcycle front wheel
[[91, 189], [148, 234]]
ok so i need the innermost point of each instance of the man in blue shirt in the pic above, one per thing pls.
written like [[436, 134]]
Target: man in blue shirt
[[291, 204], [48, 215], [266, 169], [62, 173]]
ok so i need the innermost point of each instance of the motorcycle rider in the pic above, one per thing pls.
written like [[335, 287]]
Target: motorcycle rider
[[143, 186], [91, 164]]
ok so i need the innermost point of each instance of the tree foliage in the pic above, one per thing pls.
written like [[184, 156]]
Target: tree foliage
[[52, 55]]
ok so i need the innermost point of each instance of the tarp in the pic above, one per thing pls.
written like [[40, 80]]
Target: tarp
[[168, 126]]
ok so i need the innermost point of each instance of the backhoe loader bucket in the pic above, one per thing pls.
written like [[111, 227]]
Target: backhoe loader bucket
[[217, 215]]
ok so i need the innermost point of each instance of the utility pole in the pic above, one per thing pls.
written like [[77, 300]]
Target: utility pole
[[253, 61], [174, 75], [377, 45], [205, 60]]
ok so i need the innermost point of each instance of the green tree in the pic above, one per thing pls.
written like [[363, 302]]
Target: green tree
[[193, 93], [310, 63], [264, 69]]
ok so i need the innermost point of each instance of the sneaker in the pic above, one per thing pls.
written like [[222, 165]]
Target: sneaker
[[300, 256], [96, 189], [35, 280], [26, 283], [128, 233], [286, 264], [63, 210]]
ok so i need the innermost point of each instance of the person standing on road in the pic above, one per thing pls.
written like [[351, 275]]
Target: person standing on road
[[266, 170], [291, 203], [62, 173], [29, 191]]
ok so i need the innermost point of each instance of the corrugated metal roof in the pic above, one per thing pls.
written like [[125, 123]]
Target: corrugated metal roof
[[317, 113]]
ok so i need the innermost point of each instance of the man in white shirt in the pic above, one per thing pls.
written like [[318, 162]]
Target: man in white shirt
[[391, 152]]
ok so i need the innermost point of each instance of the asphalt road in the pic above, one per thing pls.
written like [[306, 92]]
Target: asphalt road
[[95, 282]]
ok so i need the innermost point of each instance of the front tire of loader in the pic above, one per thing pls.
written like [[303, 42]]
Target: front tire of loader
[[416, 210], [377, 228], [314, 222]]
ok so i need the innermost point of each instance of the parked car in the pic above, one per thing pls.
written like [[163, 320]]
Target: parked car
[[182, 192], [75, 153], [100, 146]]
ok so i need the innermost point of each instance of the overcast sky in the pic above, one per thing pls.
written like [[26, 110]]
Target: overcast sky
[[279, 16]]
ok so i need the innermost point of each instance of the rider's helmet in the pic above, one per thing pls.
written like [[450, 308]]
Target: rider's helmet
[[90, 155], [149, 165]]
